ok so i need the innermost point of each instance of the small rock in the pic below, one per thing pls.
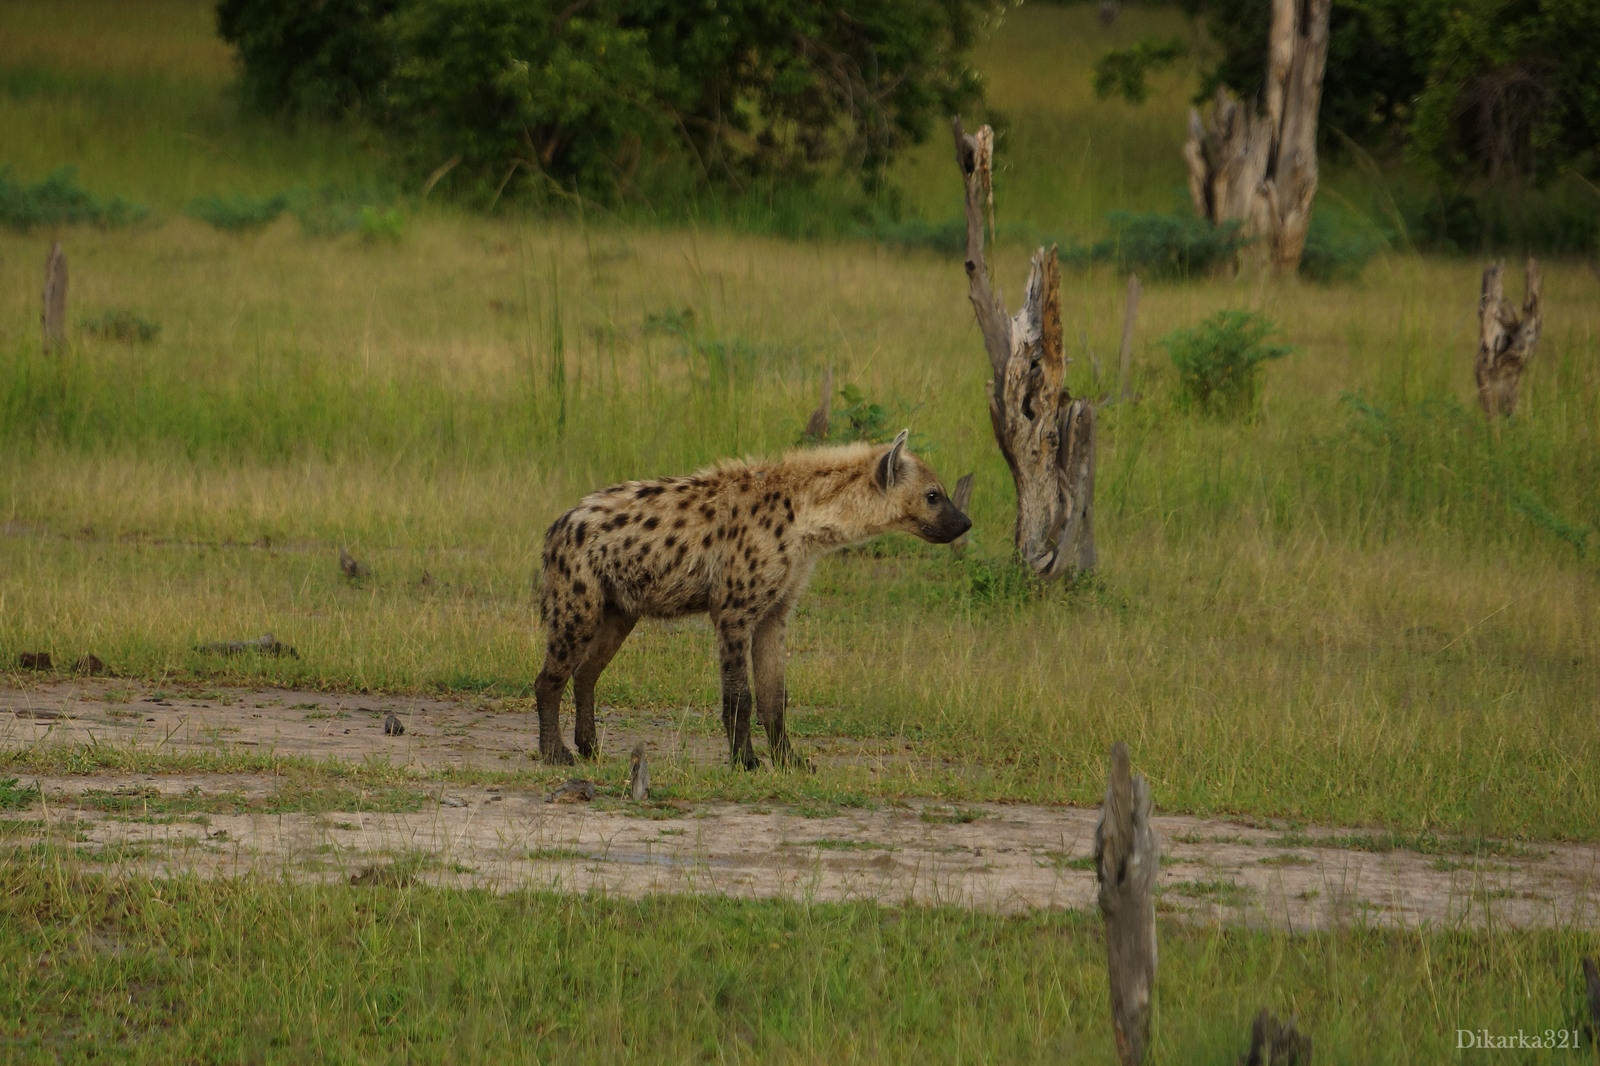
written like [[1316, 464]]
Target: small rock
[[46, 716], [266, 644], [90, 665], [453, 801], [577, 790], [34, 660], [392, 726]]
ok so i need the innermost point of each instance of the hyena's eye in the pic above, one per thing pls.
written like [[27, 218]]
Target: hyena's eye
[[933, 496]]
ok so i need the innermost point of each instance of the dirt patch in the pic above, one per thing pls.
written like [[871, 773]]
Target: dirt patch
[[1000, 857]]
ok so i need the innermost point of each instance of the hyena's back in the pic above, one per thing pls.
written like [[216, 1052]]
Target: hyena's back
[[721, 539]]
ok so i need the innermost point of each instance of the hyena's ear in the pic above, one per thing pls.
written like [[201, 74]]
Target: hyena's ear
[[889, 465]]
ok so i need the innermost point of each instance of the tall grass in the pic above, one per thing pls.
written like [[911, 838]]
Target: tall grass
[[1365, 605], [274, 972]]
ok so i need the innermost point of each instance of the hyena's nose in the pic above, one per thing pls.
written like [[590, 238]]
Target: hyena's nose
[[963, 523]]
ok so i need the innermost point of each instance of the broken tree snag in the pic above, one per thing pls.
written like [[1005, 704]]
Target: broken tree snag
[[1129, 314], [1260, 169], [1127, 859], [1275, 1043], [817, 424], [961, 497], [54, 316], [1505, 342], [1045, 436]]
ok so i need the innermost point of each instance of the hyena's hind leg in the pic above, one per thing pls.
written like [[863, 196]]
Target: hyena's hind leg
[[614, 629], [733, 649], [772, 697], [572, 619]]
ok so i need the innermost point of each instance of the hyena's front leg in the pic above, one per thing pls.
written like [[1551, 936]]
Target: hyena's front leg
[[772, 698], [733, 645]]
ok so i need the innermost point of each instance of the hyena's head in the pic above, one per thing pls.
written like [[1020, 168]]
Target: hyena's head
[[917, 501]]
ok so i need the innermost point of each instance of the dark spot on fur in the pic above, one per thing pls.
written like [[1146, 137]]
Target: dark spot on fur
[[578, 533], [670, 541], [579, 588], [705, 541], [627, 542], [652, 522], [683, 505], [777, 530], [649, 491], [680, 523], [708, 511]]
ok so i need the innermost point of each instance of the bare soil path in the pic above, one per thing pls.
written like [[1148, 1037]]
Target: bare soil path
[[502, 837]]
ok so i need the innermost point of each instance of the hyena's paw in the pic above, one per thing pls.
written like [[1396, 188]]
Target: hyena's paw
[[746, 760], [561, 756]]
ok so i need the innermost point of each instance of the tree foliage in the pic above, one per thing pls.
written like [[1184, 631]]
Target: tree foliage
[[582, 91]]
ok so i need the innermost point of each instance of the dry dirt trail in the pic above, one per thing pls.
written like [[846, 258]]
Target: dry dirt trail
[[1002, 857]]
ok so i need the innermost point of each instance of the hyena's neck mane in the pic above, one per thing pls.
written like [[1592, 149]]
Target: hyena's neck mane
[[836, 499]]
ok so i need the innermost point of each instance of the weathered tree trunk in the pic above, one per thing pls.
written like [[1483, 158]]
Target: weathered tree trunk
[[1046, 436], [1505, 342], [1127, 859], [1261, 168], [54, 317], [1130, 314]]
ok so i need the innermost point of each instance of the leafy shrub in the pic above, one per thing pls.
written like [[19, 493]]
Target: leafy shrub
[[1338, 247], [332, 211], [1122, 71], [526, 94], [948, 237], [121, 324], [316, 57], [1167, 246], [237, 213], [57, 200], [1219, 361]]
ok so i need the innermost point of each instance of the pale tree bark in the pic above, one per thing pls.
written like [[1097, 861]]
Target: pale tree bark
[[1046, 436], [53, 319], [1259, 168], [1127, 858], [1505, 341]]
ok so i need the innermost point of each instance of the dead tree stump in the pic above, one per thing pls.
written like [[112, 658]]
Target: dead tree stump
[[54, 317], [1261, 168], [961, 497], [1046, 436], [1505, 342], [817, 425], [1127, 859]]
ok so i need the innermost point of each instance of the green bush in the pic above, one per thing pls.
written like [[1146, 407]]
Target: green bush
[[332, 211], [1338, 247], [591, 98], [57, 200], [316, 57], [1219, 361], [121, 324], [237, 213], [1178, 245]]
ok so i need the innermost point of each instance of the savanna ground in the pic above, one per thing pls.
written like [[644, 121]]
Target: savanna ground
[[1356, 632]]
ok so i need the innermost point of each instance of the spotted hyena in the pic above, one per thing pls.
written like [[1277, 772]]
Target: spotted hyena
[[738, 541]]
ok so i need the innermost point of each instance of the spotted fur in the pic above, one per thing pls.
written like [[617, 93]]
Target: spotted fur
[[738, 541]]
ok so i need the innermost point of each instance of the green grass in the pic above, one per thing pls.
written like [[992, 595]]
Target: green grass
[[1364, 606], [153, 971]]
